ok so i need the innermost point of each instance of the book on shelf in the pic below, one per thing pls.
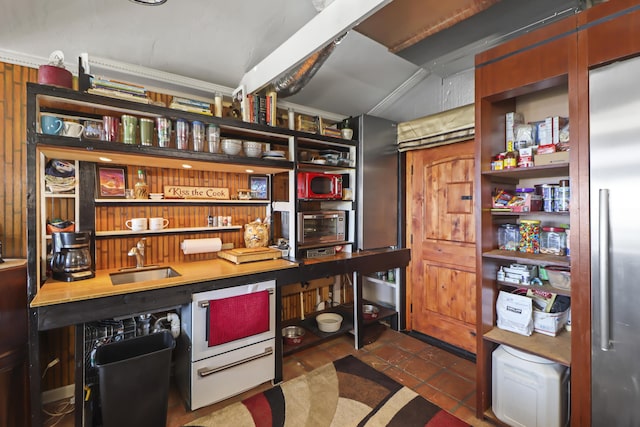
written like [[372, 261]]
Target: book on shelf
[[101, 82], [331, 131], [261, 109], [307, 124], [119, 94], [191, 109], [191, 103]]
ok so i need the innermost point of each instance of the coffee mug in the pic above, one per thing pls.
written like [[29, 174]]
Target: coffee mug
[[72, 129], [136, 224], [129, 128], [111, 128], [158, 223], [51, 125]]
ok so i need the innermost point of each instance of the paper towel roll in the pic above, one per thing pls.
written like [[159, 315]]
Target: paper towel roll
[[199, 246]]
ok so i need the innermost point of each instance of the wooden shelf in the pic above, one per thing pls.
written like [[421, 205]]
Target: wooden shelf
[[314, 336], [166, 230], [532, 213], [532, 172], [182, 201], [380, 281], [60, 195], [547, 288], [527, 258], [557, 349]]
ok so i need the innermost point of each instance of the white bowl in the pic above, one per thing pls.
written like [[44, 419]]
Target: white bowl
[[231, 147], [329, 322], [252, 149]]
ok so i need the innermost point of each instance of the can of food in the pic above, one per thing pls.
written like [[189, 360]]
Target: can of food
[[548, 191], [562, 196], [530, 236]]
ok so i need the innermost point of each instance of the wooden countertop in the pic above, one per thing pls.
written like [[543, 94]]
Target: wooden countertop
[[12, 263], [58, 292], [61, 304]]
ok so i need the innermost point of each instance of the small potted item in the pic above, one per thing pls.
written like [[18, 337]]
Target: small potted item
[[244, 194], [345, 128], [54, 73]]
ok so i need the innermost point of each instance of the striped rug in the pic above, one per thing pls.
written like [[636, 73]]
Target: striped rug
[[347, 392]]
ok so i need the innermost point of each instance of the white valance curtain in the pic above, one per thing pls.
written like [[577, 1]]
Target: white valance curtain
[[442, 128]]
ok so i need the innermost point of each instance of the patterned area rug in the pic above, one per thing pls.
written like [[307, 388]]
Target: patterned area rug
[[347, 392]]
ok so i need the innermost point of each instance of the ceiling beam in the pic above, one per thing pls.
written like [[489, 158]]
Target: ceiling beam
[[334, 20]]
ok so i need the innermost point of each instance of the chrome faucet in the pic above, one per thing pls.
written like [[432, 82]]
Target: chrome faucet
[[138, 252]]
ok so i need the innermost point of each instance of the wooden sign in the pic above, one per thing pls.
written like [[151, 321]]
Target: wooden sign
[[181, 192]]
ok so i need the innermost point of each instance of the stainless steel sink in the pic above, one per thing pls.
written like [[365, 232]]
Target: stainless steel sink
[[143, 275]]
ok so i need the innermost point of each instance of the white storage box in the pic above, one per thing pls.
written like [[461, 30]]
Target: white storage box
[[529, 391], [549, 323]]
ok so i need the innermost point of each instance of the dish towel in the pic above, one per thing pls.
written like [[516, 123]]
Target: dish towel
[[238, 317]]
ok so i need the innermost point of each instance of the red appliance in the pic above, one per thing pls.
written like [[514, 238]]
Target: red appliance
[[321, 186]]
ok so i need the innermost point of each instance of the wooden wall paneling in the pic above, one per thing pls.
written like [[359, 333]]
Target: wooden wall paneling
[[530, 59], [580, 238], [608, 39], [13, 79]]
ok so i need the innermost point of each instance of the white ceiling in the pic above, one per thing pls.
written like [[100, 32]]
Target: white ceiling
[[212, 40], [217, 41]]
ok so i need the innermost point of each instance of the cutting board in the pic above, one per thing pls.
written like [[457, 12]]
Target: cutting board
[[242, 255]]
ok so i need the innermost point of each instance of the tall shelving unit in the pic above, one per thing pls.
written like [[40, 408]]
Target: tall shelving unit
[[56, 204], [510, 78]]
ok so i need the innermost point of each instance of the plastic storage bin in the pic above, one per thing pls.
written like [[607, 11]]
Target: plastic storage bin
[[134, 380], [529, 391]]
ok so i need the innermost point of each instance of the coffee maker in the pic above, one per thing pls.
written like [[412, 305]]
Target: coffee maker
[[71, 258]]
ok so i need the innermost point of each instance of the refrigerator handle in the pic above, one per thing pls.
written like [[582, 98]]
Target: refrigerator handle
[[603, 259]]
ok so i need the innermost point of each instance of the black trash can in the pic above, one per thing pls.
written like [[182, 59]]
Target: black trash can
[[134, 380]]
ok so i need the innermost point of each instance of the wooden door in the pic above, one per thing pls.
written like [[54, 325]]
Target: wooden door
[[441, 232]]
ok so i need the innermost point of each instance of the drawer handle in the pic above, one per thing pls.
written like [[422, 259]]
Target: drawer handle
[[205, 304], [203, 372]]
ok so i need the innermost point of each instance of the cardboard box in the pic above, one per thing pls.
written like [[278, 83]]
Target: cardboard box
[[549, 323], [511, 120], [551, 158], [558, 124], [521, 202]]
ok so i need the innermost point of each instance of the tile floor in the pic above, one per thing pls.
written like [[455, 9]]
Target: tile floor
[[439, 376]]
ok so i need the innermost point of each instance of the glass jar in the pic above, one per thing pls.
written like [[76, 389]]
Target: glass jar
[[530, 236], [141, 190], [553, 240], [508, 237], [510, 160]]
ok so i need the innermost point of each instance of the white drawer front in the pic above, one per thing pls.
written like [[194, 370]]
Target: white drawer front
[[220, 377]]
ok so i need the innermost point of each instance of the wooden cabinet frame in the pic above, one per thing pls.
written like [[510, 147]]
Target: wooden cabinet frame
[[561, 53]]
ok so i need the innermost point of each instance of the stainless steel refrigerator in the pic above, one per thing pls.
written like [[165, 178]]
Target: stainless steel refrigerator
[[377, 183], [615, 243]]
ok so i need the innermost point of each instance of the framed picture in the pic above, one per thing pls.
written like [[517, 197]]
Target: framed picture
[[111, 181], [259, 186]]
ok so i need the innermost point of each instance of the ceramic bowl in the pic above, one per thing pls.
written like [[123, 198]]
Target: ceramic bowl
[[252, 149], [329, 322], [231, 147]]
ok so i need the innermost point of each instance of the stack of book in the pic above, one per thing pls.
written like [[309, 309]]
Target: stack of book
[[117, 89], [191, 105], [262, 109]]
